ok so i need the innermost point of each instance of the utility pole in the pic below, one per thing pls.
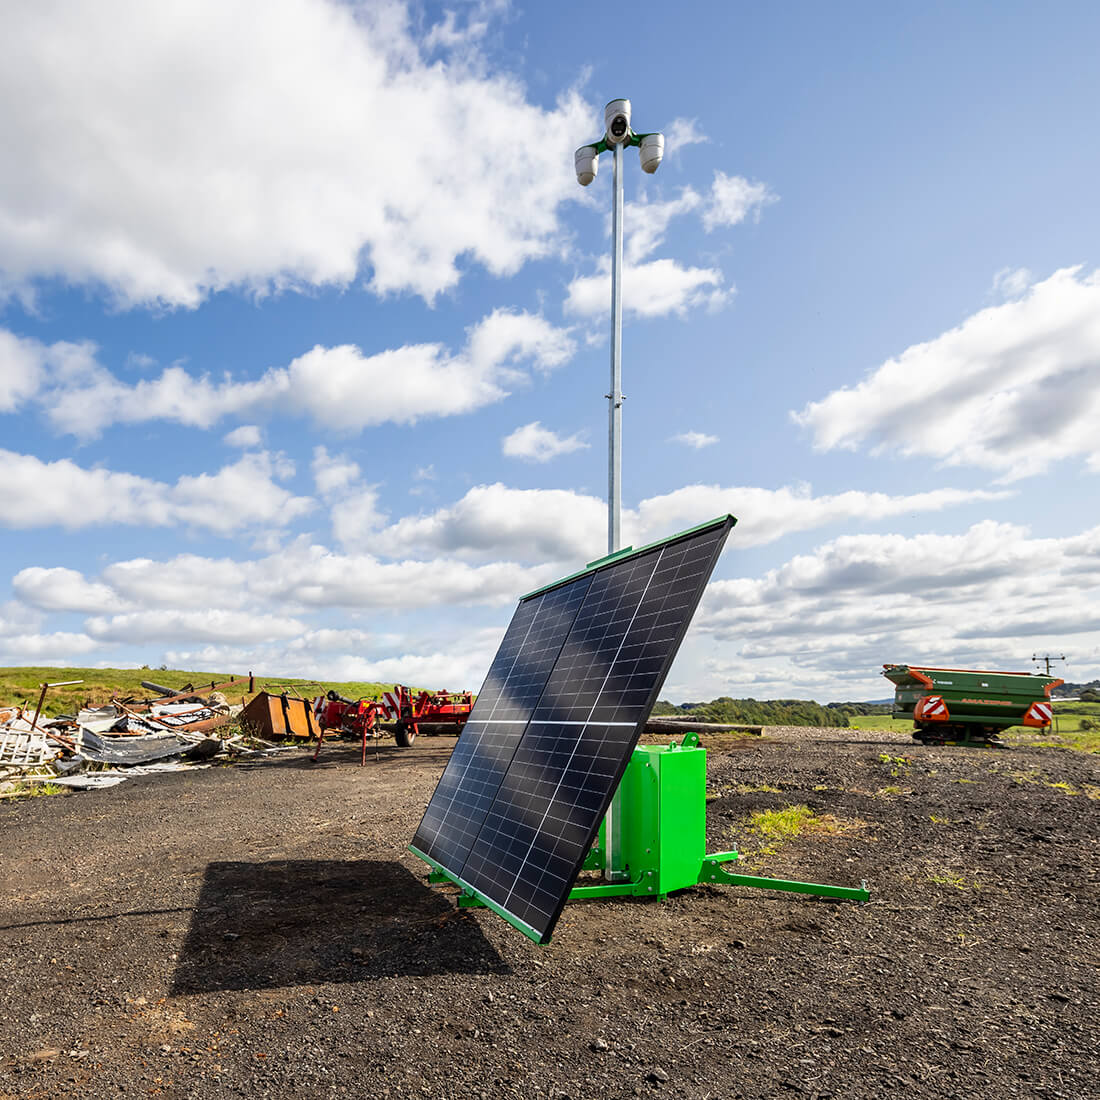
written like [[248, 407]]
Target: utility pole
[[1047, 659]]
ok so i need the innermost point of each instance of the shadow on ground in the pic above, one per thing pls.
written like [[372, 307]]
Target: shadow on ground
[[304, 922]]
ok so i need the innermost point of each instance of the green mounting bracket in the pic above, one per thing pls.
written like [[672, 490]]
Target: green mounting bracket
[[663, 795]]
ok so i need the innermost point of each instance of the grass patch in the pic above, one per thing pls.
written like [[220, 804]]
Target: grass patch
[[778, 827], [782, 824], [757, 788], [880, 722], [1062, 785], [20, 791]]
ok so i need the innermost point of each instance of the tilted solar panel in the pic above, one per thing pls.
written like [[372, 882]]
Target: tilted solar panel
[[580, 667]]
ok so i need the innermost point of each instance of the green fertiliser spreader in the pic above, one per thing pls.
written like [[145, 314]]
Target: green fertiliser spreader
[[969, 706]]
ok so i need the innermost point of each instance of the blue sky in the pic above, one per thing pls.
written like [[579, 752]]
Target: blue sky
[[304, 332]]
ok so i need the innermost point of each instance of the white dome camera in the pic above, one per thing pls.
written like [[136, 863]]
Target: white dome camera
[[650, 151], [616, 117], [586, 161]]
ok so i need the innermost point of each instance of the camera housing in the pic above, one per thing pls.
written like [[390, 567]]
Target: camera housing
[[650, 151], [616, 118], [586, 162]]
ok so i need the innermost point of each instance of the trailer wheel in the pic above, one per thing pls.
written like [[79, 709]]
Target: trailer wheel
[[403, 735]]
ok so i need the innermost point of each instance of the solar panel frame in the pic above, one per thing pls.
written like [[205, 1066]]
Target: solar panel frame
[[601, 720]]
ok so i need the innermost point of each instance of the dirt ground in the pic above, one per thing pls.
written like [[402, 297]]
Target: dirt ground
[[261, 931]]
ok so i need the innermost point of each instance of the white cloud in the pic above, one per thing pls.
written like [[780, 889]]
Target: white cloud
[[293, 580], [1011, 282], [649, 222], [34, 493], [20, 370], [732, 199], [499, 522], [203, 624], [247, 435], [698, 440], [302, 154], [682, 132], [354, 508], [558, 525], [460, 669], [508, 337], [61, 589], [341, 387], [534, 443], [654, 289], [333, 474], [826, 622], [1014, 388], [57, 649]]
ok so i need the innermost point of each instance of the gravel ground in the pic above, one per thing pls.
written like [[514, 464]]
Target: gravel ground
[[261, 931]]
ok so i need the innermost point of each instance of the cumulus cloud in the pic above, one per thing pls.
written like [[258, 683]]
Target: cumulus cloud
[[984, 598], [61, 589], [560, 525], [277, 175], [244, 494], [697, 440], [333, 474], [21, 370], [1014, 388], [58, 649], [342, 388], [534, 443], [247, 435], [649, 222], [654, 289], [681, 133], [205, 624], [732, 199], [295, 578]]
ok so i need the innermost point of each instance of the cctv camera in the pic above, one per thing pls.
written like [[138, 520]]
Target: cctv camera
[[616, 117], [650, 151], [586, 161]]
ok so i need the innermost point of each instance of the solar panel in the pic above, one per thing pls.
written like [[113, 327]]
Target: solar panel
[[567, 695]]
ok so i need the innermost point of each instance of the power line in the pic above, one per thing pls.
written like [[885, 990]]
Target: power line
[[1047, 659]]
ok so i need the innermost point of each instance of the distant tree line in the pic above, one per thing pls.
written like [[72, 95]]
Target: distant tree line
[[1087, 693], [766, 712]]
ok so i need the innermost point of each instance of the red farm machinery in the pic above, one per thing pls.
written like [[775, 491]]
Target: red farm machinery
[[402, 712]]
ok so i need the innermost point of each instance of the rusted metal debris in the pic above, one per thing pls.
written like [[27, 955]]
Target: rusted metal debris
[[124, 733], [280, 716]]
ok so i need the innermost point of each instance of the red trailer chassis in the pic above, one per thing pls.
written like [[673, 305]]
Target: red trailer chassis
[[401, 711]]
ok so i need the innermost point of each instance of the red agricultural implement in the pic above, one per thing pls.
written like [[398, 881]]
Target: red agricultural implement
[[402, 712]]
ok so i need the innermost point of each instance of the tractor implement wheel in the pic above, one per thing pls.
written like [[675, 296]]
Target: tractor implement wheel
[[404, 735]]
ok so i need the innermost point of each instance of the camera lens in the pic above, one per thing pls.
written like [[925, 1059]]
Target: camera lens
[[618, 126]]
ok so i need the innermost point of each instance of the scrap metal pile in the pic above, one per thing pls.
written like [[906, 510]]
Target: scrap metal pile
[[103, 745]]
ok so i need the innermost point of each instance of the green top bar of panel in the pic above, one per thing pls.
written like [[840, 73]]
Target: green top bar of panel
[[629, 552]]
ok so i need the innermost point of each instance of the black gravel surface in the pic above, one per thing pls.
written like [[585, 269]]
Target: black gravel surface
[[261, 931]]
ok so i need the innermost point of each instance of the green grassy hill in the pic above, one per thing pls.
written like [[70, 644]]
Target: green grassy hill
[[23, 686]]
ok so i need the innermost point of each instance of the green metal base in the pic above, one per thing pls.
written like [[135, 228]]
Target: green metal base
[[663, 842], [711, 871]]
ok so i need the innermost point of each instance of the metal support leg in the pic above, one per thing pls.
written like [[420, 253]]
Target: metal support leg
[[614, 861]]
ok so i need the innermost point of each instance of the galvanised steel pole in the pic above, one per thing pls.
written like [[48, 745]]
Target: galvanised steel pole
[[617, 136], [615, 397]]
